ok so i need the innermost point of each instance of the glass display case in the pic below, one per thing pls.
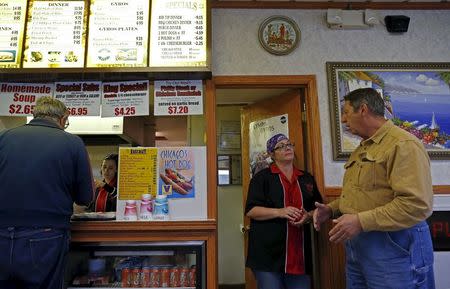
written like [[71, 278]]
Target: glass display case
[[137, 265]]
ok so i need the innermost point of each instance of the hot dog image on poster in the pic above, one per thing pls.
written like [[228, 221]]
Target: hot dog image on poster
[[176, 172]]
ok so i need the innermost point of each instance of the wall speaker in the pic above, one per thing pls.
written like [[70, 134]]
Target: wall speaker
[[396, 23]]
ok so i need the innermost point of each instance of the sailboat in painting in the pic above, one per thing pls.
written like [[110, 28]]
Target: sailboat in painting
[[434, 124]]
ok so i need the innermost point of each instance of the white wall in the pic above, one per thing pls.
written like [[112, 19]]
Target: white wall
[[236, 51]]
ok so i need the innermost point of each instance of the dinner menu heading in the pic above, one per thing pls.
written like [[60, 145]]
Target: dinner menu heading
[[103, 33]]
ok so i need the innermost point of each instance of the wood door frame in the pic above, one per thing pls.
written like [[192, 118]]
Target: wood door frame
[[313, 136]]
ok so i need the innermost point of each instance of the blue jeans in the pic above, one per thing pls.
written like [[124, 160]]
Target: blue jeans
[[33, 258], [391, 260], [277, 280]]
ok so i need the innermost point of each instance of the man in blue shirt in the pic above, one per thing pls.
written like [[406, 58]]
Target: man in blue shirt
[[43, 170]]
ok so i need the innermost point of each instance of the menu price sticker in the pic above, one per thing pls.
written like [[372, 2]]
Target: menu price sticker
[[55, 34], [128, 98], [137, 172], [178, 33], [118, 33], [178, 97], [12, 24], [81, 98], [19, 99]]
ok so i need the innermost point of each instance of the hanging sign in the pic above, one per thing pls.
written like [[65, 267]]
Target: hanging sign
[[118, 33], [81, 98], [54, 36], [19, 99], [12, 23], [178, 97], [128, 98], [178, 33]]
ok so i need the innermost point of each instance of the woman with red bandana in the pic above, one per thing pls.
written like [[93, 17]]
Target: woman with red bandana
[[106, 193], [280, 202]]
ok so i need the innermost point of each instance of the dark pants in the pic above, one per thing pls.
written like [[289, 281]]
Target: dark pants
[[33, 258]]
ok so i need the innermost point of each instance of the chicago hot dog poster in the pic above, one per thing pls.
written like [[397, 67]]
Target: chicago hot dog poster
[[177, 172]]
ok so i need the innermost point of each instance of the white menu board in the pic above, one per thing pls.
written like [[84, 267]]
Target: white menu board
[[126, 98], [19, 99], [54, 36], [81, 98], [118, 33], [12, 23], [178, 33], [178, 97]]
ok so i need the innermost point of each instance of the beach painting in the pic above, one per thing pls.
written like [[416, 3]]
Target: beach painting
[[416, 98]]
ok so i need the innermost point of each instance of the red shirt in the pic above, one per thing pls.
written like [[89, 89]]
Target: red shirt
[[295, 261]]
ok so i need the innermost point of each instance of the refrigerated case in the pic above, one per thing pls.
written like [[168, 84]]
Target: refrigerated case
[[137, 265]]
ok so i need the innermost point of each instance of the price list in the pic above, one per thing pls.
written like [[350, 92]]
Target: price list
[[178, 34], [137, 172], [55, 34], [12, 22], [118, 33]]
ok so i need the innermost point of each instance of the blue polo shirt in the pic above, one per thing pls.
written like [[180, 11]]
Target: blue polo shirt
[[43, 170]]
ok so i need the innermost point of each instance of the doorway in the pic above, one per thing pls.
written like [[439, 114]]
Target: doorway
[[241, 91]]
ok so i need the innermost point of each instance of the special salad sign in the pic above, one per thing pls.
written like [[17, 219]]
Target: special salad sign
[[12, 22]]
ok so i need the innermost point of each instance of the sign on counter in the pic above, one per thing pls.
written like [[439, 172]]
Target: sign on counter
[[178, 33], [19, 99], [178, 97], [12, 23], [128, 98], [118, 33], [81, 98], [137, 172], [54, 36]]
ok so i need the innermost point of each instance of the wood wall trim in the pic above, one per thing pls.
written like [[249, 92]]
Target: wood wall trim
[[211, 149], [326, 5], [336, 191], [314, 141]]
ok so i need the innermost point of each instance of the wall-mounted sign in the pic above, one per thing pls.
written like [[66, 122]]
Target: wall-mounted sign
[[12, 23], [118, 33], [81, 98], [54, 36], [439, 223], [127, 98], [178, 33], [178, 97], [19, 99]]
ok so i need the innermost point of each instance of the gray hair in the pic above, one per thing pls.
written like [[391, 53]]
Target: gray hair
[[370, 97], [49, 107]]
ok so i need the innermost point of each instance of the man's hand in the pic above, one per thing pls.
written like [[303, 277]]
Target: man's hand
[[320, 215], [346, 227]]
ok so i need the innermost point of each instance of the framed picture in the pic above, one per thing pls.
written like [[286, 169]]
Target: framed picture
[[416, 98], [279, 35]]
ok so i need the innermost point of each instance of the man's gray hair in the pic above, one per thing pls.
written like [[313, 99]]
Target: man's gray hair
[[49, 107], [370, 97]]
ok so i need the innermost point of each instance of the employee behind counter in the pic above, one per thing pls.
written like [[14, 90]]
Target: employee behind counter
[[105, 199]]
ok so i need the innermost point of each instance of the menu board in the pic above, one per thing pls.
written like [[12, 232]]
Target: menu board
[[12, 23], [178, 33], [54, 36], [118, 33], [137, 172]]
